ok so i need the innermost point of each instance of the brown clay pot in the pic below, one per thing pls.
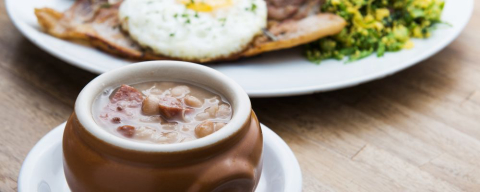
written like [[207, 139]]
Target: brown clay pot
[[228, 160]]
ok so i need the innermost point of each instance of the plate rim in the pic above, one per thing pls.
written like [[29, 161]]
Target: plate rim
[[292, 91], [292, 169], [372, 76]]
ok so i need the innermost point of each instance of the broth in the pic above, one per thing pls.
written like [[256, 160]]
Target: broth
[[161, 112]]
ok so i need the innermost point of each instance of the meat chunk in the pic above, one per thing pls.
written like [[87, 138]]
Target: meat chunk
[[116, 120], [123, 104], [171, 107], [281, 13], [126, 130], [280, 10], [127, 93], [291, 32]]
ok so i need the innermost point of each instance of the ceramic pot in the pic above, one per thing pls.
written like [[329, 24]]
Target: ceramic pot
[[227, 160]]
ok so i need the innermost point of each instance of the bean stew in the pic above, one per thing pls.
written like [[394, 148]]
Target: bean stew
[[161, 112]]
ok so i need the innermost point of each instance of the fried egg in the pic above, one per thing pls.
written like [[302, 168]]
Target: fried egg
[[198, 30]]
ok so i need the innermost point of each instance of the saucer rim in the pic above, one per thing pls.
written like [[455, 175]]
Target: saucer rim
[[289, 162]]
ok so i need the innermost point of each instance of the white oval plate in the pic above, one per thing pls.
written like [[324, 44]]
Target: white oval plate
[[282, 73], [42, 170]]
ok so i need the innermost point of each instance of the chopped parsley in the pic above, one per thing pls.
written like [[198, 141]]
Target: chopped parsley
[[252, 8], [222, 20]]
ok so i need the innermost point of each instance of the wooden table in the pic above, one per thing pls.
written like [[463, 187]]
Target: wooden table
[[418, 130]]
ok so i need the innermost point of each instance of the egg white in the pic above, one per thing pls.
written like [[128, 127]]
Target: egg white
[[169, 28]]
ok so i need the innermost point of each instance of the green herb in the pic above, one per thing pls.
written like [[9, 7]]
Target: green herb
[[192, 2], [375, 26], [222, 20], [105, 5], [252, 8], [172, 34]]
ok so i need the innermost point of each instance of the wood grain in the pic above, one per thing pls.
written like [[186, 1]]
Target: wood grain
[[418, 130]]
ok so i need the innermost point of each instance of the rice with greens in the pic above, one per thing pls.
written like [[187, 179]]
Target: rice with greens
[[375, 26]]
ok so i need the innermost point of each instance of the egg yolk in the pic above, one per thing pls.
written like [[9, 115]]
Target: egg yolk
[[205, 5]]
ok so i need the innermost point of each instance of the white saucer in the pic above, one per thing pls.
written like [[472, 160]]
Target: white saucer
[[42, 170]]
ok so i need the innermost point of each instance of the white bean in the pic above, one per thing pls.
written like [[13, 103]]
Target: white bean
[[214, 100], [202, 116], [150, 105], [144, 132], [152, 119], [212, 111], [205, 128], [224, 111], [180, 90], [193, 101], [156, 91], [170, 126], [168, 137]]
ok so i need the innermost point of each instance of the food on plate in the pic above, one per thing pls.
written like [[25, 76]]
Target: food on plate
[[191, 30], [376, 26], [161, 112], [194, 29]]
